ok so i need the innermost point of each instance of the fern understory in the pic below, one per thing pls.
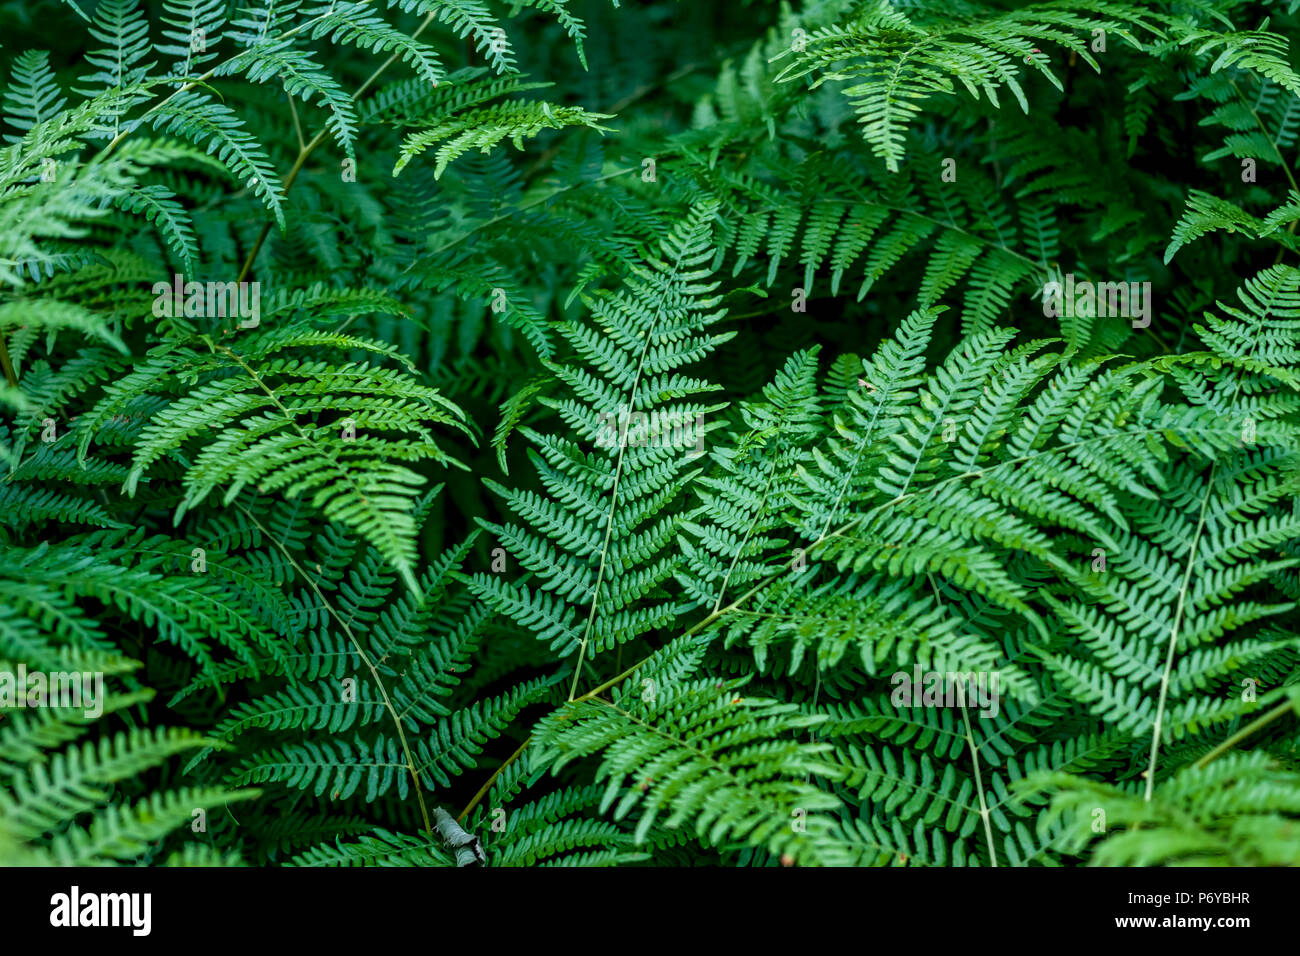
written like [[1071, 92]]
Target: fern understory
[[555, 432]]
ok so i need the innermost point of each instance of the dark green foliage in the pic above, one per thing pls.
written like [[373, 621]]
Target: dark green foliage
[[560, 432]]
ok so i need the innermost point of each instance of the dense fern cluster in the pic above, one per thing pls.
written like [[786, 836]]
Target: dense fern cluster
[[560, 432]]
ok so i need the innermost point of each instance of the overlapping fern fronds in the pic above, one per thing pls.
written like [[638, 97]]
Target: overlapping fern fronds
[[805, 533]]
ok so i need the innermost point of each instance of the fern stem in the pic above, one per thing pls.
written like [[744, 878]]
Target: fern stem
[[482, 791], [288, 184], [618, 474], [749, 533], [1286, 169], [297, 124], [1173, 637], [604, 546], [974, 751], [1272, 141], [7, 364], [199, 81], [979, 782], [1245, 732], [365, 658], [309, 148], [388, 704], [518, 753]]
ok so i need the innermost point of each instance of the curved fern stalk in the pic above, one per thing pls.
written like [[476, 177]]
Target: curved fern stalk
[[974, 756], [1264, 119], [1282, 709], [684, 250], [1192, 552], [370, 665]]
